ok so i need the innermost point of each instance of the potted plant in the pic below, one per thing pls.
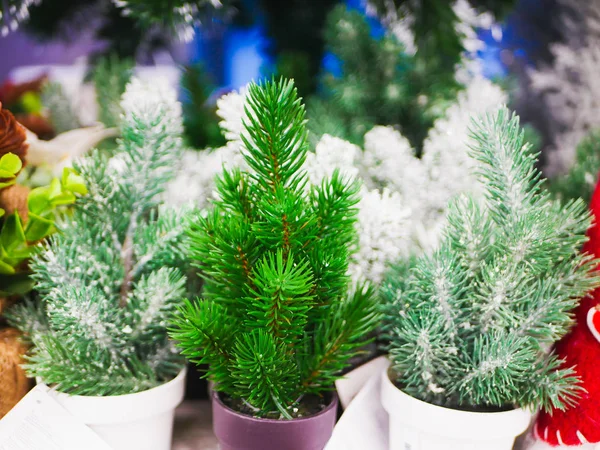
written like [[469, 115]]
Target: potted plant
[[470, 325], [110, 281], [277, 321]]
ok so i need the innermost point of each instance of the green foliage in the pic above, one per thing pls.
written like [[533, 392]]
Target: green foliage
[[59, 109], [469, 326], [10, 166], [277, 321], [380, 85], [18, 239], [112, 278], [111, 76], [434, 26], [581, 179], [296, 37], [200, 121], [173, 15]]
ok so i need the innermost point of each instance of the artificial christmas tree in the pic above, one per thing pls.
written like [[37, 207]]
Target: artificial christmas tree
[[278, 321], [580, 349], [469, 325], [109, 282]]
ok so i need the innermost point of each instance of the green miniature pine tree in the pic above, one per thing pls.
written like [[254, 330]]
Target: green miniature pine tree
[[469, 326], [581, 179], [380, 84], [277, 321], [112, 278]]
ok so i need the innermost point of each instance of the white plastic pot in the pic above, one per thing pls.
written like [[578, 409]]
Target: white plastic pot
[[140, 421], [417, 425]]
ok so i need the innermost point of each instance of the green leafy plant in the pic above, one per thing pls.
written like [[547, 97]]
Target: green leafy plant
[[111, 279], [17, 239], [277, 321], [18, 236], [10, 166], [469, 326]]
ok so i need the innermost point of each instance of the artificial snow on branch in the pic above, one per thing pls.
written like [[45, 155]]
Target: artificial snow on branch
[[568, 91], [112, 278], [469, 324]]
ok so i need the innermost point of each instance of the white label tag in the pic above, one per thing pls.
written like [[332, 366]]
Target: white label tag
[[364, 424], [38, 422], [351, 384]]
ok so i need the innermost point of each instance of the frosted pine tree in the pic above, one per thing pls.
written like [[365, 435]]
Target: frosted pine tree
[[110, 281], [469, 325], [424, 185], [568, 90]]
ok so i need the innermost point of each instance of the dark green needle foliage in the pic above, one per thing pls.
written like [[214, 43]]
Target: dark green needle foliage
[[111, 76], [434, 26], [113, 276], [380, 84], [200, 121], [277, 320], [582, 177], [470, 325]]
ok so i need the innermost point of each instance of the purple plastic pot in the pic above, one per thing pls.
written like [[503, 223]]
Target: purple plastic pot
[[236, 431]]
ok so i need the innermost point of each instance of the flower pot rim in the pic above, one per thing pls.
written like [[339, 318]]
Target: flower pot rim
[[333, 403], [182, 373], [455, 410], [447, 422], [110, 409]]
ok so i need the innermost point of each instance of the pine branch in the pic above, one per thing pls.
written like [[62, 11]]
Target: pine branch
[[111, 76], [275, 136], [274, 256]]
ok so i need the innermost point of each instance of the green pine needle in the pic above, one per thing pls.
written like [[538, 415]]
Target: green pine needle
[[469, 326], [277, 321]]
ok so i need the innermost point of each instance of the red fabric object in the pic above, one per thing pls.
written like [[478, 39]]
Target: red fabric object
[[581, 349]]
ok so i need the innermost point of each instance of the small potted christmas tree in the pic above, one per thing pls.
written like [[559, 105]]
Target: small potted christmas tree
[[277, 321], [110, 281], [469, 326]]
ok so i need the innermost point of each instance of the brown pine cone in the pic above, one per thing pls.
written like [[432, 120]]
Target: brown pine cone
[[14, 384], [12, 135], [14, 198]]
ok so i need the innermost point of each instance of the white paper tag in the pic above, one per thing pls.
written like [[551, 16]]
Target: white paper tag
[[38, 422], [351, 384], [364, 424]]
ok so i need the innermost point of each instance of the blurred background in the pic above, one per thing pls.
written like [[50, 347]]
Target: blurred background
[[227, 44]]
